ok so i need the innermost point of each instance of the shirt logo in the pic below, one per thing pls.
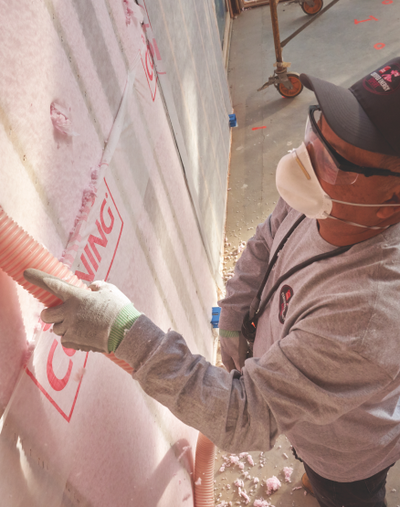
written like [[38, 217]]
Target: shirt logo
[[284, 297], [384, 80]]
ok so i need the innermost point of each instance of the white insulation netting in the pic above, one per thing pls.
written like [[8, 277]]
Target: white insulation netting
[[90, 168]]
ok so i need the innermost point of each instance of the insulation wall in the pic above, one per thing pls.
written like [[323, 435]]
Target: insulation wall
[[122, 175], [193, 82]]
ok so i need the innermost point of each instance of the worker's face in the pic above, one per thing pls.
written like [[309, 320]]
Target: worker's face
[[369, 190]]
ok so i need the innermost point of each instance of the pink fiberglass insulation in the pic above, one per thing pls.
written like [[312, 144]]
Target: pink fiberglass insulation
[[239, 483], [65, 405], [88, 198], [272, 484], [233, 460], [288, 473], [250, 460], [260, 502], [241, 491], [13, 345], [244, 495], [52, 162], [252, 483], [61, 120], [132, 12]]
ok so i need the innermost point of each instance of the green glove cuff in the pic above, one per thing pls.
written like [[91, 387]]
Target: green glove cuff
[[125, 320], [229, 334]]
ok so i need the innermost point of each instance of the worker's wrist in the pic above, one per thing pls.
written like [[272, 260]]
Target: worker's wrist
[[124, 321], [229, 334]]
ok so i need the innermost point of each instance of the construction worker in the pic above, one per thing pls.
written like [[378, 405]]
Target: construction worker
[[315, 294]]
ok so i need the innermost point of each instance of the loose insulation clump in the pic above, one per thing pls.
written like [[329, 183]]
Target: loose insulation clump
[[272, 484]]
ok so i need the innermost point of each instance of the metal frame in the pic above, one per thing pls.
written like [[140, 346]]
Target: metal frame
[[256, 3], [280, 74]]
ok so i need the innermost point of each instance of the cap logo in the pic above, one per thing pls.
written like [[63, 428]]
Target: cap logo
[[383, 81], [285, 296]]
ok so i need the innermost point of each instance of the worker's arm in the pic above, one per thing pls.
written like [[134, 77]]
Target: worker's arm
[[302, 378], [243, 286], [243, 412]]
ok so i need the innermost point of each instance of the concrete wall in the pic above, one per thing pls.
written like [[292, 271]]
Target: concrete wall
[[122, 175]]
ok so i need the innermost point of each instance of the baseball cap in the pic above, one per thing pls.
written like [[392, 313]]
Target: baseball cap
[[367, 114]]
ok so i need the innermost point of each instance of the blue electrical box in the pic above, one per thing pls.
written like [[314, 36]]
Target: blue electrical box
[[232, 120], [216, 311]]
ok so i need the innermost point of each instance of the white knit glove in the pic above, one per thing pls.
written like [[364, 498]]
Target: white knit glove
[[234, 349], [93, 319]]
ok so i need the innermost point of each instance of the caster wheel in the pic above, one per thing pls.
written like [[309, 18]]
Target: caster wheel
[[297, 86], [311, 10]]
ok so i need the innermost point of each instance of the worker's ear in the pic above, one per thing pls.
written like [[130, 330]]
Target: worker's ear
[[386, 212]]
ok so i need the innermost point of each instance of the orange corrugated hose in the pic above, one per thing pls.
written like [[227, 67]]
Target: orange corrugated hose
[[204, 470], [18, 252]]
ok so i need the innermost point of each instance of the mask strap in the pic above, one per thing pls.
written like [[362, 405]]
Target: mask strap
[[374, 227], [365, 205]]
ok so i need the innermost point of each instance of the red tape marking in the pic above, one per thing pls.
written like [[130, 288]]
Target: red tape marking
[[356, 22], [257, 128], [379, 45]]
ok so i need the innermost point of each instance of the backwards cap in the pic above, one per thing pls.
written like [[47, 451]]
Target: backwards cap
[[366, 115]]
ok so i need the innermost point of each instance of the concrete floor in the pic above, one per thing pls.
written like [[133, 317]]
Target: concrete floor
[[342, 46]]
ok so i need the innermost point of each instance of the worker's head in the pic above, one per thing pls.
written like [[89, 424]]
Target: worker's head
[[367, 114], [352, 151]]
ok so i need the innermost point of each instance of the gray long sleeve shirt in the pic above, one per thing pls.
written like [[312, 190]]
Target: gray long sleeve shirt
[[326, 363]]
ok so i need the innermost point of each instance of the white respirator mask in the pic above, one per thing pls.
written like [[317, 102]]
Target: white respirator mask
[[298, 185]]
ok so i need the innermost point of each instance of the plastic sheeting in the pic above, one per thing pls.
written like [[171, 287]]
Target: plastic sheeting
[[195, 90], [77, 430]]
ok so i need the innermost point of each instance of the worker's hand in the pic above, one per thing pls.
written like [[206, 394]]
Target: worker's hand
[[93, 319], [233, 350]]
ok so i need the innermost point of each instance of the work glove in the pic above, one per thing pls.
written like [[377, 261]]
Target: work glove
[[94, 319], [234, 349]]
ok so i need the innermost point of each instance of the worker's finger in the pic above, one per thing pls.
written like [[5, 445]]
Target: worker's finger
[[53, 315], [50, 283], [61, 289], [229, 363], [36, 277], [59, 328], [239, 365], [69, 342]]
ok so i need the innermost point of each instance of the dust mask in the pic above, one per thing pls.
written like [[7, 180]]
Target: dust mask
[[298, 185]]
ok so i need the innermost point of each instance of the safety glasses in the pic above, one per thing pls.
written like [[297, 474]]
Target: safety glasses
[[328, 164]]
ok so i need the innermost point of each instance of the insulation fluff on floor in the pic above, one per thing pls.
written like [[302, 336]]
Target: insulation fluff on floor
[[260, 479]]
